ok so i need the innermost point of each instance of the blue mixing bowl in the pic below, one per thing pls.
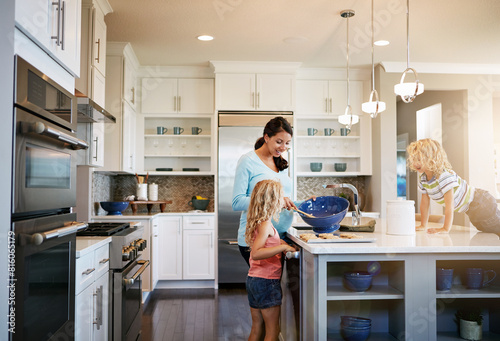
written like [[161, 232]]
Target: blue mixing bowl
[[328, 212], [358, 280], [114, 207]]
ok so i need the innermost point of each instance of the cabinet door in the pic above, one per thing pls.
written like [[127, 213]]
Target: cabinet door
[[129, 83], [98, 88], [68, 49], [155, 253], [101, 309], [338, 94], [198, 254], [84, 313], [195, 96], [159, 96], [96, 154], [99, 41], [235, 91], [275, 92], [128, 138], [170, 253], [34, 18], [312, 97]]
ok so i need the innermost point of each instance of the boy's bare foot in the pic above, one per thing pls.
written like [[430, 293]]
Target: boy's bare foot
[[420, 228]]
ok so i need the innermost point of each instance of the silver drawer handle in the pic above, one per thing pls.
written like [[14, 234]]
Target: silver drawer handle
[[88, 271], [198, 222], [232, 242], [39, 238], [104, 261], [295, 254]]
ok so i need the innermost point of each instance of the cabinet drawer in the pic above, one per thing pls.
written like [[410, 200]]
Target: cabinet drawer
[[190, 223], [84, 272], [101, 260]]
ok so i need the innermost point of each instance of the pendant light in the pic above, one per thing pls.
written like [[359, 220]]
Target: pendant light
[[348, 119], [408, 91], [373, 107]]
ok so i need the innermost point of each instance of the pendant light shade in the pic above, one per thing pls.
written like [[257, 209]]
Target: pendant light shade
[[408, 91], [348, 119], [373, 106]]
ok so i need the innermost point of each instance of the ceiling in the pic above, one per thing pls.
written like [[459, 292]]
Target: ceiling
[[163, 32]]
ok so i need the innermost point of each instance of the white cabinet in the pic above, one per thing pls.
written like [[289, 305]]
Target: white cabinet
[[120, 138], [155, 252], [248, 91], [169, 261], [322, 97], [93, 50], [93, 133], [187, 248], [92, 295], [55, 27], [129, 83], [198, 248], [172, 95], [181, 154]]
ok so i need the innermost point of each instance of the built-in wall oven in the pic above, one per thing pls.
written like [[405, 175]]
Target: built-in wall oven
[[43, 230]]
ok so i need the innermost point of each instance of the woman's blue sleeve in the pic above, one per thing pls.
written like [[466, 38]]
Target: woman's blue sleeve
[[240, 189]]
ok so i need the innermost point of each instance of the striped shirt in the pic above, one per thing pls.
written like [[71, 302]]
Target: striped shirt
[[463, 194]]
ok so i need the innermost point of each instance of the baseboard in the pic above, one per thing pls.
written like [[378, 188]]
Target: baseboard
[[185, 284]]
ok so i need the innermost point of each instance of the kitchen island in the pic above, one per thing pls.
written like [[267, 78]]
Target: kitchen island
[[402, 302]]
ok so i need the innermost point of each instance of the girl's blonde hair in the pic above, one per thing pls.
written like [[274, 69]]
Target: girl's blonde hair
[[429, 154], [266, 202]]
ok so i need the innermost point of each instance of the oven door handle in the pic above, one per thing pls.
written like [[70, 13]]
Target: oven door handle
[[130, 281], [75, 143], [39, 238]]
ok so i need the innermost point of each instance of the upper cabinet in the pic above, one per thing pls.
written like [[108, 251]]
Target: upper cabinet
[[258, 86], [92, 81], [327, 97], [255, 92], [55, 27], [177, 96]]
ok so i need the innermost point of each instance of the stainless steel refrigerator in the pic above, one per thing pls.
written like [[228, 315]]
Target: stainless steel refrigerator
[[238, 132]]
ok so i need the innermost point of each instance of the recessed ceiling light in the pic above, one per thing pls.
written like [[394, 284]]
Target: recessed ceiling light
[[205, 38], [381, 43]]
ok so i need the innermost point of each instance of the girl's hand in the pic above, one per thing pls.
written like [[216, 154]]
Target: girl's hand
[[437, 230], [289, 204], [289, 248]]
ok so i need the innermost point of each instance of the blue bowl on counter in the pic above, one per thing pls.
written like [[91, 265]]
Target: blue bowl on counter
[[328, 212], [114, 207], [358, 281]]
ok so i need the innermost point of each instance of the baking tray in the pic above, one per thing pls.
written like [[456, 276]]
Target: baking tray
[[321, 240]]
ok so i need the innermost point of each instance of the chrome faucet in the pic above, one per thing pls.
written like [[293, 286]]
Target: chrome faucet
[[356, 215]]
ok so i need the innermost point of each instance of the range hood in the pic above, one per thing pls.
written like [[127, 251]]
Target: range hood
[[91, 112]]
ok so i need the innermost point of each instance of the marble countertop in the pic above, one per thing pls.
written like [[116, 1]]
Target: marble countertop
[[459, 240], [85, 245]]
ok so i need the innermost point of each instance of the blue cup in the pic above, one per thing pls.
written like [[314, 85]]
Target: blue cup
[[178, 130], [312, 131], [444, 279], [478, 278], [161, 130], [329, 131]]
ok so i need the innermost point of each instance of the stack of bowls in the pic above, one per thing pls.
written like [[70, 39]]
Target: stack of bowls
[[358, 280], [353, 328]]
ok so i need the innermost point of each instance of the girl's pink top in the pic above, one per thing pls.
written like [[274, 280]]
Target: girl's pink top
[[269, 268]]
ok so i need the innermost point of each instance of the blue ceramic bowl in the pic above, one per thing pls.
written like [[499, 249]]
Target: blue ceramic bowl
[[355, 333], [358, 280], [328, 212], [114, 207], [355, 321]]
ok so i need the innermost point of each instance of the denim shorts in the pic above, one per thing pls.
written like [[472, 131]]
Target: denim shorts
[[263, 293]]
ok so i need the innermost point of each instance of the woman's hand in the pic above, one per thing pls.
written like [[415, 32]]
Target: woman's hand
[[289, 204]]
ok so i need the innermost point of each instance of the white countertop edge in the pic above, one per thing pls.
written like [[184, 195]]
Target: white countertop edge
[[147, 216], [85, 245]]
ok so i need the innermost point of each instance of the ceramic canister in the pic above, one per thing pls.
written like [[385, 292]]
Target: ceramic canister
[[153, 192], [400, 217], [142, 192]]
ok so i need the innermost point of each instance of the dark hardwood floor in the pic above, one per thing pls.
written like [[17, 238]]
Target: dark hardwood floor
[[197, 314]]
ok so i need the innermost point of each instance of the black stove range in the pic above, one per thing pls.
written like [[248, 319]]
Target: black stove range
[[103, 229]]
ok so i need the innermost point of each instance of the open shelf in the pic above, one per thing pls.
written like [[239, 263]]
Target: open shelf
[[376, 292]]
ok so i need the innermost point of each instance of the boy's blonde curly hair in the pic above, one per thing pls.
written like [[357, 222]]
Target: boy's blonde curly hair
[[266, 202], [430, 154]]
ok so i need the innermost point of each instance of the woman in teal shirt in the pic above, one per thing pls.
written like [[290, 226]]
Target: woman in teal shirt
[[263, 163]]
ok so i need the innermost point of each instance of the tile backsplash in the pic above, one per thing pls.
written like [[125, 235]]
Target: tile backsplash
[[178, 189]]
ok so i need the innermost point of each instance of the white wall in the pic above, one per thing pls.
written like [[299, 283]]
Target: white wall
[[6, 110]]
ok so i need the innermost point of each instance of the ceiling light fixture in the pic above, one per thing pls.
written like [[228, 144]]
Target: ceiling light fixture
[[348, 119], [205, 38], [408, 91], [373, 107]]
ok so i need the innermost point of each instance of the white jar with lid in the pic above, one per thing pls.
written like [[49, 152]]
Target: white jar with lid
[[153, 192], [400, 217], [142, 192]]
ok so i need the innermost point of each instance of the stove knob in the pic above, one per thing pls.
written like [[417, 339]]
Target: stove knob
[[141, 244], [126, 254]]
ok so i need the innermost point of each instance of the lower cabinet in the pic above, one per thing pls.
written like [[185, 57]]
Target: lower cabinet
[[92, 296], [186, 248]]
